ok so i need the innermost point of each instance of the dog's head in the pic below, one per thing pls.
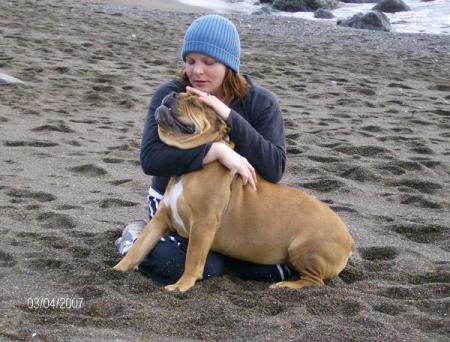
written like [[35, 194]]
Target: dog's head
[[184, 121]]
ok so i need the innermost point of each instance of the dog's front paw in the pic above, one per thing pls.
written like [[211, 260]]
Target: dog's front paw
[[122, 267], [176, 287], [182, 285]]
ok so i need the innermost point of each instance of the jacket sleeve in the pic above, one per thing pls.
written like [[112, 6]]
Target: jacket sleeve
[[261, 139], [159, 159]]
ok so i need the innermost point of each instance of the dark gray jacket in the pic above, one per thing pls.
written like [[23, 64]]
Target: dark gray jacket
[[256, 128]]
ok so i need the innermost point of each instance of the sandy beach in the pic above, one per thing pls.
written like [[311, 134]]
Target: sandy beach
[[367, 119], [164, 5]]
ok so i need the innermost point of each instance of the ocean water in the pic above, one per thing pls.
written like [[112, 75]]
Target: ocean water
[[431, 17]]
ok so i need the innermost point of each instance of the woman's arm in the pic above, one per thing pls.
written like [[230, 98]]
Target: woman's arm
[[260, 137], [262, 140], [233, 161]]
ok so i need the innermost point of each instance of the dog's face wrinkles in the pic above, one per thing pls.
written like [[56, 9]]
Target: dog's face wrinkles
[[185, 121]]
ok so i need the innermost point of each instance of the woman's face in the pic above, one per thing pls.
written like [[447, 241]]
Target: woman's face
[[205, 73]]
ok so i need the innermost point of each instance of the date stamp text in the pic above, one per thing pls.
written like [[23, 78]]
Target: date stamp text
[[60, 303]]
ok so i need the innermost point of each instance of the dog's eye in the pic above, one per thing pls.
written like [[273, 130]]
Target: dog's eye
[[194, 104]]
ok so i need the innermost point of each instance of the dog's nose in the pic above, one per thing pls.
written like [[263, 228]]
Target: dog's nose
[[170, 99]]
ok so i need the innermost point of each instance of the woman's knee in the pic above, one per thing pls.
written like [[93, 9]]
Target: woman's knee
[[270, 273]]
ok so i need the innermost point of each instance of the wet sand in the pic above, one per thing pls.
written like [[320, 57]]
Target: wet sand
[[367, 123]]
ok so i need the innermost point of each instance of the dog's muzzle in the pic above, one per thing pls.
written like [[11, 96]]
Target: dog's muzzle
[[166, 116]]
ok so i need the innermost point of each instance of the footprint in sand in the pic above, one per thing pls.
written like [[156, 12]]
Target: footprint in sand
[[29, 143], [93, 98], [79, 252], [399, 85], [62, 69], [426, 187], [354, 272], [89, 170], [422, 149], [290, 124], [69, 207], [57, 127], [116, 203], [125, 147], [27, 235], [53, 241], [90, 292], [440, 275], [113, 160], [373, 129], [440, 87], [343, 208], [399, 167], [419, 292], [56, 221], [378, 253], [335, 306], [45, 264], [365, 151], [390, 309], [267, 306], [40, 196], [120, 181], [361, 90], [7, 260], [324, 159], [103, 309], [429, 162], [324, 185], [293, 150], [81, 234], [419, 201], [421, 233], [441, 112], [360, 174]]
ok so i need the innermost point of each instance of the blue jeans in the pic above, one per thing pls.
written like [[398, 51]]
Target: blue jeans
[[165, 263]]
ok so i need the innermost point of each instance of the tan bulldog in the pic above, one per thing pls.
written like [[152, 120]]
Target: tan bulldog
[[217, 212]]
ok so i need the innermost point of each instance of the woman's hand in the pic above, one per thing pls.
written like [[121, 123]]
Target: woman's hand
[[213, 101], [232, 161]]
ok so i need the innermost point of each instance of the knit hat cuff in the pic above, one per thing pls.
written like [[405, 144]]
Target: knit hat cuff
[[213, 51]]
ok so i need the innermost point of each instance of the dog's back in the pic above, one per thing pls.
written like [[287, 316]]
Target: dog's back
[[259, 226]]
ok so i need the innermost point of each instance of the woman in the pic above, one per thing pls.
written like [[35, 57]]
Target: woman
[[211, 53]]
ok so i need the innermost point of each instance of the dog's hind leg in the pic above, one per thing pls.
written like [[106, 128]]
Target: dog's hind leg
[[309, 275], [305, 280], [313, 261], [153, 231], [317, 259]]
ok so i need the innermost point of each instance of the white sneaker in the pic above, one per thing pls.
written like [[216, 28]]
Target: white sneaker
[[129, 235]]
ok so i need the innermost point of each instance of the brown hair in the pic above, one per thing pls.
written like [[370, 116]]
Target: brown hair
[[234, 85]]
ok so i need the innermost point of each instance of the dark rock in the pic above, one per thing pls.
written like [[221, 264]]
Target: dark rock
[[372, 20], [391, 6], [266, 1], [304, 5], [323, 14], [265, 10]]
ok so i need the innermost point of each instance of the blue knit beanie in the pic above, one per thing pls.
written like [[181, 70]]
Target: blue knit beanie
[[216, 37]]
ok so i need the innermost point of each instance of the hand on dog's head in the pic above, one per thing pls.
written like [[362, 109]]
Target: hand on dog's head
[[184, 121]]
